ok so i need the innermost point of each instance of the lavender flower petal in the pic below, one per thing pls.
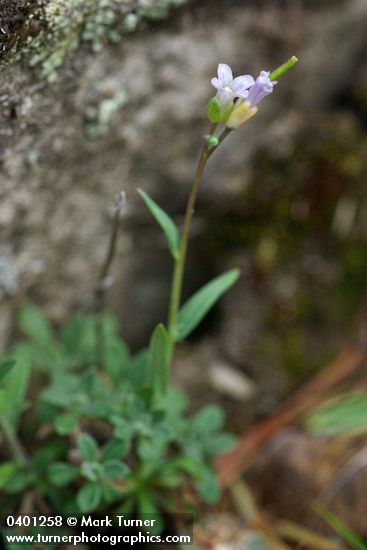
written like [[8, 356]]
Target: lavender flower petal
[[263, 86], [224, 96], [230, 88], [225, 75], [240, 84]]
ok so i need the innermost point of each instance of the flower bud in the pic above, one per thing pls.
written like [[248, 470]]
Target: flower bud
[[211, 141], [240, 114], [218, 112]]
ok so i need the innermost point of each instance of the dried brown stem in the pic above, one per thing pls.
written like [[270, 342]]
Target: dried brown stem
[[104, 279], [231, 465]]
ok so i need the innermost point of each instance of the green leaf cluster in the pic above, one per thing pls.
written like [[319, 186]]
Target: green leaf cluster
[[117, 436], [115, 433]]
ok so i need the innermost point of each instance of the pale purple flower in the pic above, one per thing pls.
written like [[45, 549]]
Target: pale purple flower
[[262, 87], [230, 88]]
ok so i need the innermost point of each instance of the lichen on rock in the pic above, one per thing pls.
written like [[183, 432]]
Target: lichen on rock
[[98, 117], [46, 31]]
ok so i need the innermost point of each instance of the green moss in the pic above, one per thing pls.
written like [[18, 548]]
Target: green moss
[[63, 24]]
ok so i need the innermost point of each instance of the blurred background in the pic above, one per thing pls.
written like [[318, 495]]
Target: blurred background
[[284, 198]]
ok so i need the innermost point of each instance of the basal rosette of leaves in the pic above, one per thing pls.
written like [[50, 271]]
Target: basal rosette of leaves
[[94, 438]]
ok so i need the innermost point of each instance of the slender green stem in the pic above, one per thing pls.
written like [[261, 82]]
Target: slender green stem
[[12, 441], [179, 268], [222, 136]]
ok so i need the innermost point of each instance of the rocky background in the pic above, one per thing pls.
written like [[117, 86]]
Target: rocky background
[[102, 96]]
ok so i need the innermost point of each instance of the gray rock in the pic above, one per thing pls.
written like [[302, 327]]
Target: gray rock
[[142, 101]]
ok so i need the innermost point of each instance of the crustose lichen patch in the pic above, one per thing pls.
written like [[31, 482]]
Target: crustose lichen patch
[[46, 31]]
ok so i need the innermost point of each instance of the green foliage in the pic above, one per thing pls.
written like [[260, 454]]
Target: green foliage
[[5, 367], [7, 472], [65, 424], [87, 447], [343, 530], [117, 436], [345, 414], [35, 326], [62, 473], [195, 309], [13, 390], [89, 497], [167, 225]]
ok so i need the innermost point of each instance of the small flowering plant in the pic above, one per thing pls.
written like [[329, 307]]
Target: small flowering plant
[[106, 429]]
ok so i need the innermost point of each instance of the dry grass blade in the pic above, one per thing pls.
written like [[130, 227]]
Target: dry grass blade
[[248, 509], [306, 538]]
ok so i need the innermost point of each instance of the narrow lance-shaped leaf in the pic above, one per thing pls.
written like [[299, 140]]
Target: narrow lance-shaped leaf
[[195, 309], [166, 223], [159, 358]]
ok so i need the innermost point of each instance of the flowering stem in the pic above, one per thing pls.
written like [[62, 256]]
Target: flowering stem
[[283, 68], [179, 268], [206, 152]]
